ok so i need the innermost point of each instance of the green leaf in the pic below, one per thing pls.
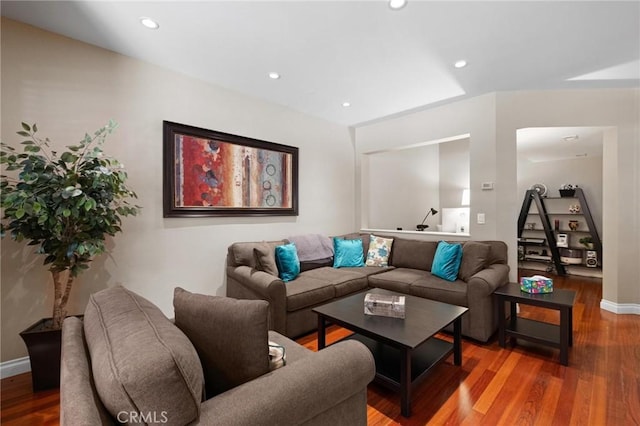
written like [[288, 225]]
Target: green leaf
[[19, 213], [34, 127], [26, 126], [68, 157], [66, 212]]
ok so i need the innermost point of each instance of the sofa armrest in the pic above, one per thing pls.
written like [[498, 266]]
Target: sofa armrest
[[79, 400], [244, 282], [485, 282], [298, 392]]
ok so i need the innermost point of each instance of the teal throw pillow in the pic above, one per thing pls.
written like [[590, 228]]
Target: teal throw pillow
[[287, 262], [446, 261], [347, 253]]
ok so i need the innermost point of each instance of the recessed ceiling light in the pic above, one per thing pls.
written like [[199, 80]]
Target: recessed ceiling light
[[460, 64], [571, 138], [274, 75], [397, 4], [149, 23], [346, 104]]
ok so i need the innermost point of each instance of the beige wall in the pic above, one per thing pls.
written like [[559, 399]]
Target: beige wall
[[492, 121], [68, 87]]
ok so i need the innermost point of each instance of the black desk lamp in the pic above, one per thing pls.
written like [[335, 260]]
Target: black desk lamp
[[422, 226]]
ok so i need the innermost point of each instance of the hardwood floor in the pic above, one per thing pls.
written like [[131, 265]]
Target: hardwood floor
[[524, 385]]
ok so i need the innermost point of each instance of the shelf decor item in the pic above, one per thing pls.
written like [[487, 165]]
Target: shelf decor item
[[568, 190], [587, 242], [540, 188], [574, 225], [65, 203], [536, 284]]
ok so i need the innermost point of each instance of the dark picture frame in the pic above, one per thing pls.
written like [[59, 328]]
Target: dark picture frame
[[210, 173]]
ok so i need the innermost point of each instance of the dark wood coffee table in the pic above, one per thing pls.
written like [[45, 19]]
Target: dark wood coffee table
[[405, 350], [557, 336]]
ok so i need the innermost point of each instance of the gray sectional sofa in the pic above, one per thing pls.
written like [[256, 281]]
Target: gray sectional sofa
[[483, 269]]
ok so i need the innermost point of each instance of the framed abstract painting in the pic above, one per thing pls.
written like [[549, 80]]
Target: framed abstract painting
[[210, 173]]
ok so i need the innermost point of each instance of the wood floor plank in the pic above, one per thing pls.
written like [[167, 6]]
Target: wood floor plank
[[523, 385]]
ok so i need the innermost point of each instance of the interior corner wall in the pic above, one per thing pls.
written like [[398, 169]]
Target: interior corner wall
[[70, 88], [403, 185], [454, 172]]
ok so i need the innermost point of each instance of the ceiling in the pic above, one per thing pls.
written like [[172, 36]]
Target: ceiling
[[538, 144], [383, 62]]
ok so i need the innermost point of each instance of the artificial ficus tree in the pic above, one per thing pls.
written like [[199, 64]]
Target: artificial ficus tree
[[65, 204]]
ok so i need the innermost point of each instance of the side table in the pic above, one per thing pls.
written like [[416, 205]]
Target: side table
[[557, 336]]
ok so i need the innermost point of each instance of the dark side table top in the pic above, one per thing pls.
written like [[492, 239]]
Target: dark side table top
[[424, 318], [557, 298]]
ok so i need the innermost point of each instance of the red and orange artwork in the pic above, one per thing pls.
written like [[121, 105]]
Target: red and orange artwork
[[211, 173]]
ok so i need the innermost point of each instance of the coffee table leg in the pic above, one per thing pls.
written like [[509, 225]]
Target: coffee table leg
[[405, 382], [321, 332], [457, 341], [564, 336]]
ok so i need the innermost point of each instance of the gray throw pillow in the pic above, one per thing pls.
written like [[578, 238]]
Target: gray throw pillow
[[475, 257], [266, 258], [141, 362], [231, 337]]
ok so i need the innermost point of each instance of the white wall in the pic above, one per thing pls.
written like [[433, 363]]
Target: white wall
[[69, 88], [454, 172], [403, 185]]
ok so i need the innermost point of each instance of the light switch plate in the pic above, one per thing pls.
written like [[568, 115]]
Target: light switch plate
[[481, 219]]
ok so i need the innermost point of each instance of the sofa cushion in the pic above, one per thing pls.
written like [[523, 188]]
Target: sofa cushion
[[307, 291], [348, 253], [265, 258], [399, 279], [141, 361], [475, 257], [446, 262], [287, 262], [413, 254], [344, 281], [307, 265], [379, 251], [435, 288], [231, 337]]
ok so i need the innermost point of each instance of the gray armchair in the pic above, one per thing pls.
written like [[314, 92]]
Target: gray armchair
[[313, 388]]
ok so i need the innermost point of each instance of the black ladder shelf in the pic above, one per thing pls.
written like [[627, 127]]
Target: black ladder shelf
[[533, 196]]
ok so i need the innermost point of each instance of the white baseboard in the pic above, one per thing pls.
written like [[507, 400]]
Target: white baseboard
[[620, 308], [14, 367]]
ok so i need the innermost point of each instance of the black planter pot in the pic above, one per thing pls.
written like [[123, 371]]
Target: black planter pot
[[44, 347]]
